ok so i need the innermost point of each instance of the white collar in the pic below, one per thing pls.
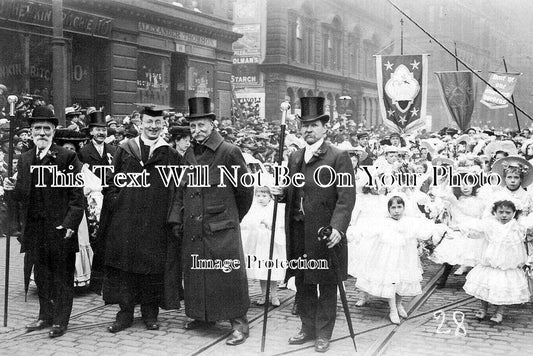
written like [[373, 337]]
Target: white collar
[[315, 146], [96, 144]]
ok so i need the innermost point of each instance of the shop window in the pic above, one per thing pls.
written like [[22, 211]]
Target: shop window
[[153, 79], [201, 80], [26, 64]]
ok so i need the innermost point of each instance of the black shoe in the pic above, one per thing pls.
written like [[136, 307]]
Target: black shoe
[[236, 338], [295, 310], [151, 325], [300, 338], [321, 345], [116, 327], [57, 331], [38, 325], [198, 324]]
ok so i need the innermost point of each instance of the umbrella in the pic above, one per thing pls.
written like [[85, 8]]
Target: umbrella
[[323, 234]]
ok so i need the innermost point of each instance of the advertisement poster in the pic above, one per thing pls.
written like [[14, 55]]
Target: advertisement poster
[[250, 43], [201, 79], [249, 105]]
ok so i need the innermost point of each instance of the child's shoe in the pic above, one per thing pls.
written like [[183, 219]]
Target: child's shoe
[[394, 318], [275, 301], [460, 271], [401, 311]]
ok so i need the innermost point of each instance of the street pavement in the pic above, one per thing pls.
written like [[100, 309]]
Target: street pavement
[[421, 334]]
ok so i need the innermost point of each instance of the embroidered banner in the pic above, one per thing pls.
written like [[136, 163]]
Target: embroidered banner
[[505, 83], [402, 91], [457, 92]]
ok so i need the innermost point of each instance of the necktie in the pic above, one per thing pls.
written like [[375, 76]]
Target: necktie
[[40, 154]]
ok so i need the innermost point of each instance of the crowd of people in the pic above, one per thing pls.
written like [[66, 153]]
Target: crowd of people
[[460, 198]]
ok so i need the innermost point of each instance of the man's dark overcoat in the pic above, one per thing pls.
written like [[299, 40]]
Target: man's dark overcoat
[[211, 230], [322, 206], [62, 206], [137, 236]]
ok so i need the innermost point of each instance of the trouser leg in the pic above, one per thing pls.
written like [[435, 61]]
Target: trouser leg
[[240, 324], [326, 311], [43, 279], [307, 299]]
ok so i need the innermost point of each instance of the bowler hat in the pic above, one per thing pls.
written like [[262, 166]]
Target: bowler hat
[[200, 108], [97, 118], [313, 109], [43, 113]]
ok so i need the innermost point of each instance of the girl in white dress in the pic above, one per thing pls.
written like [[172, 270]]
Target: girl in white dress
[[499, 278], [389, 266], [256, 232]]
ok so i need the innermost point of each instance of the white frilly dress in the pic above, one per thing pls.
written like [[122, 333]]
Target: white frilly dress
[[256, 241], [387, 262], [462, 250], [499, 278]]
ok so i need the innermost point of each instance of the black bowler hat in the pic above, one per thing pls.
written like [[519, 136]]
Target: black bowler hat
[[313, 109], [43, 113], [97, 118], [200, 108]]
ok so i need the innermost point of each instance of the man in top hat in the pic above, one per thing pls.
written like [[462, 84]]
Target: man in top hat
[[97, 153], [51, 216], [310, 208], [141, 253], [207, 219]]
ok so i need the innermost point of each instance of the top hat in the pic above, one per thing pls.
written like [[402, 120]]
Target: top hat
[[200, 108], [43, 113], [97, 118], [313, 109]]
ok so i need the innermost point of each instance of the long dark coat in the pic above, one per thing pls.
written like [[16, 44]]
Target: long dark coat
[[63, 206], [137, 236], [323, 206], [88, 154], [211, 230]]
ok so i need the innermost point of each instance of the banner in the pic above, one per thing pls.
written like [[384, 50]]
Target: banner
[[505, 83], [457, 92], [402, 91]]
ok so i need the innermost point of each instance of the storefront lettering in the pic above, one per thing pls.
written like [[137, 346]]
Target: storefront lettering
[[79, 72], [41, 14], [244, 79], [9, 70], [245, 60], [178, 35]]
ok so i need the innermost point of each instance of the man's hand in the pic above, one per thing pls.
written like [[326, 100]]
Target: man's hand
[[276, 190], [334, 238], [68, 233], [9, 184]]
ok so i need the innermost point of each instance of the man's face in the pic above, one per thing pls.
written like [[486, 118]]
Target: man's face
[[24, 136], [99, 134], [43, 133], [201, 129], [313, 131], [151, 126]]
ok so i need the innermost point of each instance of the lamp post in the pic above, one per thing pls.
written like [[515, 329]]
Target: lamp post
[[344, 103]]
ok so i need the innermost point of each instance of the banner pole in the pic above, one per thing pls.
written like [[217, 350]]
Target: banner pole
[[512, 99], [459, 60], [456, 62]]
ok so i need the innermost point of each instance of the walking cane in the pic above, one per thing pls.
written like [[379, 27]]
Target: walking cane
[[284, 107], [12, 99], [323, 234]]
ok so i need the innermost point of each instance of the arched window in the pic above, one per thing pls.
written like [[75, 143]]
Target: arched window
[[301, 38]]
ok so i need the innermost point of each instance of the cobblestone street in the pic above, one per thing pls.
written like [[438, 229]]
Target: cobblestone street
[[421, 334]]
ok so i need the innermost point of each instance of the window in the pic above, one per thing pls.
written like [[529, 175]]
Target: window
[[325, 50], [301, 40]]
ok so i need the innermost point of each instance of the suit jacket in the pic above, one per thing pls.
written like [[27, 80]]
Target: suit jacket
[[322, 206], [88, 154], [62, 205]]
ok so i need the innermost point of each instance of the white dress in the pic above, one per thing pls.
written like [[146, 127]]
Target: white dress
[[499, 278], [389, 262], [461, 250], [256, 241]]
